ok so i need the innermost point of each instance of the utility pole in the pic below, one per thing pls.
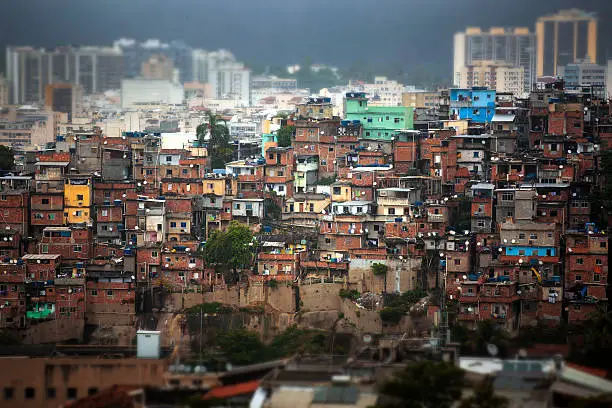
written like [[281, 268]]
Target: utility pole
[[444, 332]]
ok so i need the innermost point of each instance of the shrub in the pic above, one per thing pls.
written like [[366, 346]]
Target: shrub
[[349, 294], [379, 269]]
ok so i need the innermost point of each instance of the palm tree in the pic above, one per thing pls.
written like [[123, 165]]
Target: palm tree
[[219, 148], [484, 397]]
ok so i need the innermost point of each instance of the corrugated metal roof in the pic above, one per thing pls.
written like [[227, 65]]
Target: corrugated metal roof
[[52, 163], [40, 256]]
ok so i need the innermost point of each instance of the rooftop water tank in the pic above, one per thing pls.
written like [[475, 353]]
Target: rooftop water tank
[[147, 344]]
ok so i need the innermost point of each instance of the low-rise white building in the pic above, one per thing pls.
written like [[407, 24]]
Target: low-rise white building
[[138, 91]]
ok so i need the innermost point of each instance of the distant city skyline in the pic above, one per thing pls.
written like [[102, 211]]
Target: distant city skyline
[[342, 33]]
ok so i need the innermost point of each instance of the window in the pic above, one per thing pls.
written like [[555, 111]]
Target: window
[[77, 248], [92, 391], [602, 244], [71, 393], [327, 241], [533, 235], [476, 154], [578, 277], [396, 120], [391, 211], [457, 261], [521, 252], [168, 158], [105, 213], [149, 172], [553, 147], [50, 393], [579, 261], [109, 293], [9, 393], [80, 197], [359, 210], [45, 249], [45, 201], [521, 235], [337, 190], [154, 254], [598, 262], [480, 223], [281, 189], [237, 206], [29, 393], [183, 225], [94, 292], [596, 277], [173, 224]]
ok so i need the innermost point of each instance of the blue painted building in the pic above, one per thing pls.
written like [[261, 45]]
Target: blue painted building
[[531, 251], [476, 104]]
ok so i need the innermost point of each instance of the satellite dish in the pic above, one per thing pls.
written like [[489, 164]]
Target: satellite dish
[[492, 349], [367, 339]]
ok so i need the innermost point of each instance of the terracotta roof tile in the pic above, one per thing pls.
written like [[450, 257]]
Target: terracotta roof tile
[[229, 391]]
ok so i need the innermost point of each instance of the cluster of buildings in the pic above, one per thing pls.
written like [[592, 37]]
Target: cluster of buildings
[[492, 203]]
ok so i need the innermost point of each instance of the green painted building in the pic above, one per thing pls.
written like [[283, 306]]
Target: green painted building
[[378, 122]]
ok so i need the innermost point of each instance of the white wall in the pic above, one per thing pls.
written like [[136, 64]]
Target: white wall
[[134, 91]]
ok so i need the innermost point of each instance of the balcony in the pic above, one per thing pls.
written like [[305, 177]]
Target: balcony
[[394, 202], [305, 167], [436, 217], [468, 317], [69, 281]]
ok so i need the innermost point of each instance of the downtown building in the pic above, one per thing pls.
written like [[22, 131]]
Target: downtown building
[[515, 47], [29, 70]]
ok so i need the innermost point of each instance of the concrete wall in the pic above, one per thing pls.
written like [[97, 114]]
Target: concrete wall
[[401, 276], [54, 331]]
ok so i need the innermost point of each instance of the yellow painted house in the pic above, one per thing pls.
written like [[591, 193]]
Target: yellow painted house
[[77, 200], [220, 187], [341, 191]]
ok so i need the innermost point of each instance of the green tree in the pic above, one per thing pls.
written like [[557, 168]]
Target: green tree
[[285, 135], [241, 347], [484, 397], [218, 143], [488, 332], [596, 350], [7, 158], [230, 250], [427, 384]]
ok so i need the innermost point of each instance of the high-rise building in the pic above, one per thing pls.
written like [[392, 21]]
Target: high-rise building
[[64, 98], [513, 46], [138, 53], [25, 74], [609, 78], [583, 73], [4, 99], [98, 69], [206, 61], [502, 77], [158, 66], [29, 70], [565, 38], [231, 80]]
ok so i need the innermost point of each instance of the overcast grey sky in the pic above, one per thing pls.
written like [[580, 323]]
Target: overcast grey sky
[[404, 32]]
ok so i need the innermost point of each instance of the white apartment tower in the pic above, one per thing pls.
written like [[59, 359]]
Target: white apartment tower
[[513, 46]]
